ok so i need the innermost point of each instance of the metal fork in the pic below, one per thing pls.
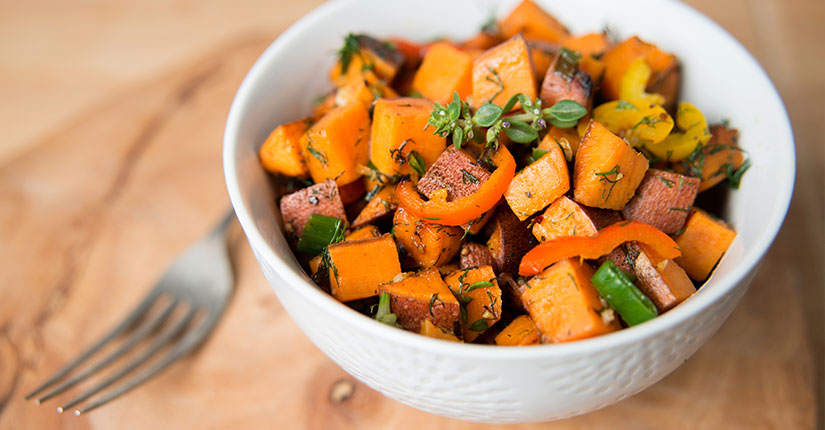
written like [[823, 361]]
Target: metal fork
[[200, 281]]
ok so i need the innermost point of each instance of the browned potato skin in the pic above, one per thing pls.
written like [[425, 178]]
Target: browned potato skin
[[555, 87], [509, 241], [511, 292], [475, 255], [322, 199], [450, 172], [663, 200], [624, 256], [653, 285], [411, 312], [667, 83]]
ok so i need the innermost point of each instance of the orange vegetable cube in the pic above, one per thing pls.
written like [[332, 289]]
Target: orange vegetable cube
[[593, 67], [375, 60], [542, 54], [564, 304], [428, 245], [539, 184], [502, 72], [381, 205], [422, 296], [521, 332], [607, 170], [431, 330], [398, 129], [445, 69], [356, 89], [618, 59], [589, 45], [365, 232], [337, 144], [721, 151], [281, 152], [347, 277], [665, 284], [352, 192], [484, 306], [564, 217], [533, 22], [703, 243], [566, 138]]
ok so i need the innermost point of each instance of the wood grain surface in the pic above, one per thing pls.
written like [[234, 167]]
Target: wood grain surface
[[112, 119]]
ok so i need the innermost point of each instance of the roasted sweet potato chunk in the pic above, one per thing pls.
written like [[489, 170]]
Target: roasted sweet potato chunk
[[365, 232], [445, 70], [509, 241], [431, 330], [475, 255], [588, 45], [703, 243], [381, 205], [662, 200], [607, 170], [422, 296], [539, 184], [454, 171], [543, 55], [428, 245], [564, 304], [666, 284], [521, 332], [479, 291], [533, 22], [321, 199], [281, 152], [337, 144], [565, 81], [398, 128], [372, 56], [347, 277], [566, 217], [502, 72], [721, 153]]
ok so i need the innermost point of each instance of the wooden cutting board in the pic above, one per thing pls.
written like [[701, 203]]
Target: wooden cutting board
[[91, 216]]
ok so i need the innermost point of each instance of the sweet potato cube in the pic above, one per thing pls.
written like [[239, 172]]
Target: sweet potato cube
[[721, 151], [347, 277], [564, 217], [483, 304], [662, 200], [454, 171], [365, 232], [594, 68], [428, 245], [281, 151], [607, 170], [352, 192], [475, 255], [321, 199], [358, 89], [624, 256], [533, 22], [337, 144], [618, 58], [445, 70], [589, 45], [398, 129], [666, 284], [543, 54], [503, 71], [373, 57], [560, 84], [564, 304], [379, 206], [703, 243], [566, 138], [423, 296], [509, 241], [431, 330], [539, 184], [521, 332]]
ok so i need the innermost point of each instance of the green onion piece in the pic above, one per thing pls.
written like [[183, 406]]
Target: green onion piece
[[319, 232], [383, 313], [537, 153], [479, 325], [633, 306]]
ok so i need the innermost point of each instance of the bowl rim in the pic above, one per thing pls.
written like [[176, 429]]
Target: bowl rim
[[381, 331]]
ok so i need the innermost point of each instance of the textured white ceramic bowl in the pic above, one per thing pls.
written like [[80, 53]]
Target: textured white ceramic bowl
[[497, 384]]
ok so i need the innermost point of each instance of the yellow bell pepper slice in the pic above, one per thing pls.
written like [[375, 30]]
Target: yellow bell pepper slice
[[679, 145], [639, 122], [634, 81]]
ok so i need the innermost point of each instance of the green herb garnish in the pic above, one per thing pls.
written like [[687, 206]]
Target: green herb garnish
[[383, 313]]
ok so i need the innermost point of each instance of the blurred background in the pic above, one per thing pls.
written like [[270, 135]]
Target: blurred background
[[111, 123]]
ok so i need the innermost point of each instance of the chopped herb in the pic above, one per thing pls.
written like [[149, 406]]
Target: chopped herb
[[605, 178], [479, 284], [417, 163], [433, 300], [735, 176], [680, 209], [383, 313], [682, 230], [496, 81], [372, 192], [667, 182], [479, 325], [347, 51], [468, 177], [320, 156], [622, 105], [398, 153]]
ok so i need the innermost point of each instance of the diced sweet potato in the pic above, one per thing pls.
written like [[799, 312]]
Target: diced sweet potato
[[521, 332], [380, 206], [365, 232], [321, 199], [482, 41], [357, 89], [594, 68], [373, 56], [509, 241], [564, 83], [721, 151], [483, 304], [281, 151], [347, 277], [703, 243], [352, 191], [566, 217], [662, 200], [454, 171], [565, 138], [607, 170], [445, 70], [533, 22], [428, 245], [323, 106], [337, 144], [624, 256], [619, 57], [502, 72], [398, 129], [543, 55], [539, 184], [475, 255], [449, 268], [564, 304], [431, 330], [666, 285], [589, 45], [423, 296]]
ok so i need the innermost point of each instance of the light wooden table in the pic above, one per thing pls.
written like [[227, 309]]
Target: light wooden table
[[110, 130]]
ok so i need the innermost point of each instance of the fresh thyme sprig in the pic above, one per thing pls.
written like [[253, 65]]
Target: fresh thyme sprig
[[456, 121]]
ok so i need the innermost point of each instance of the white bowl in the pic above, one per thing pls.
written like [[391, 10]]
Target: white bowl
[[499, 384]]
